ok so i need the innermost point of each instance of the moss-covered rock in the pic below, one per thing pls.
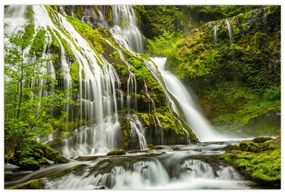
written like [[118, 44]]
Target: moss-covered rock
[[36, 155], [32, 184], [261, 139], [117, 152], [258, 162], [232, 148]]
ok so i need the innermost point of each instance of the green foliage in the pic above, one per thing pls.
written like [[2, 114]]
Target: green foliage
[[263, 167], [273, 93], [163, 45], [28, 35], [38, 43], [74, 71], [28, 113], [156, 19], [235, 82]]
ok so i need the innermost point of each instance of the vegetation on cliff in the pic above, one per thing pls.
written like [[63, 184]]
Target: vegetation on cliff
[[237, 78]]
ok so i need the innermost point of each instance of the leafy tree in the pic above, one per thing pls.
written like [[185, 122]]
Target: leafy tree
[[30, 95]]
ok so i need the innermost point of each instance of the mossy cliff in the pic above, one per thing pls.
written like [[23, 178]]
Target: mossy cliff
[[237, 78], [96, 32]]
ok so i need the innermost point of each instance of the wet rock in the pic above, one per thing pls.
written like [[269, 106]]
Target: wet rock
[[261, 139], [231, 148], [117, 152], [32, 184]]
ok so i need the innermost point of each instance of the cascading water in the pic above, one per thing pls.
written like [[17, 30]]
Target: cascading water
[[97, 86], [215, 33], [125, 26], [229, 30], [164, 170], [194, 118]]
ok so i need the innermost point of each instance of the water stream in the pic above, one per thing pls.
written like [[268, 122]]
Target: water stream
[[229, 30], [193, 167], [199, 124]]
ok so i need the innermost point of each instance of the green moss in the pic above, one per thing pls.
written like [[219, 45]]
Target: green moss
[[35, 155], [250, 146], [55, 46], [74, 71], [230, 148], [32, 184], [122, 69], [72, 169], [29, 32], [29, 13], [237, 82], [53, 155], [146, 118], [117, 152], [38, 43], [152, 147], [92, 36], [79, 11], [263, 167], [126, 132]]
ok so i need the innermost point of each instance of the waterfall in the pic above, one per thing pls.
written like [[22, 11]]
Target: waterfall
[[97, 85], [200, 126], [125, 27], [99, 92], [215, 33], [229, 30], [137, 130]]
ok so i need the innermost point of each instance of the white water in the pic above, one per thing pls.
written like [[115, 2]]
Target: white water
[[137, 131], [198, 123], [215, 33], [97, 89], [125, 28], [167, 171], [229, 30]]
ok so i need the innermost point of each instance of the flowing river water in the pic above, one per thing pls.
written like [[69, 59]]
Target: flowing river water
[[193, 166], [168, 167]]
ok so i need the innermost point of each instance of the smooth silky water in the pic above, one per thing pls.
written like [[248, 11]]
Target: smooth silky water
[[191, 166]]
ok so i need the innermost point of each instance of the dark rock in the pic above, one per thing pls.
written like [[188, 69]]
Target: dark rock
[[261, 139]]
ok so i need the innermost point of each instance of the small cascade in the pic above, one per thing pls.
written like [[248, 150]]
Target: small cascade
[[264, 17], [229, 173], [125, 28], [193, 117], [215, 33], [197, 169], [151, 104], [229, 30], [137, 130], [131, 91], [158, 129], [174, 170]]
